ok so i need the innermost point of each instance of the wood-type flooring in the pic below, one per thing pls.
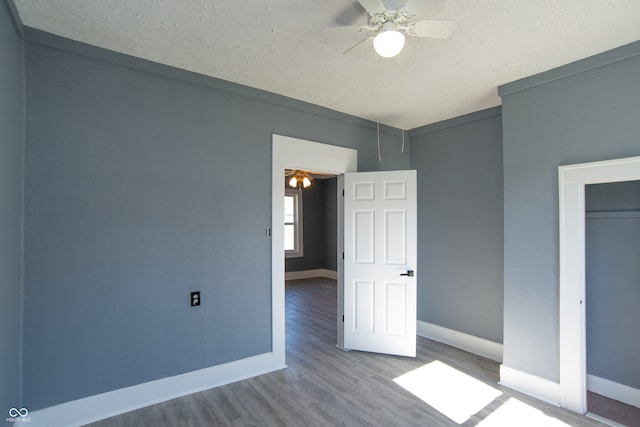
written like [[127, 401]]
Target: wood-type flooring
[[326, 386], [613, 410]]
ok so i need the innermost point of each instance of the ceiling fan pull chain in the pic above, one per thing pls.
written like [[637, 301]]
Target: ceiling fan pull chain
[[401, 95], [378, 128], [375, 58]]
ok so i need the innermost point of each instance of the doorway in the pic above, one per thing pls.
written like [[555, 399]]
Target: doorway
[[311, 261], [612, 300], [310, 218], [572, 181], [294, 153]]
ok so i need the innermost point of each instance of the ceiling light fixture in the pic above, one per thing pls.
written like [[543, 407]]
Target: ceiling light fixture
[[389, 42], [300, 179]]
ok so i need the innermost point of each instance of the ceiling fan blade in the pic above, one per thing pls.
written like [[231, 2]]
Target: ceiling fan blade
[[349, 15], [433, 28], [360, 43], [372, 6], [340, 31]]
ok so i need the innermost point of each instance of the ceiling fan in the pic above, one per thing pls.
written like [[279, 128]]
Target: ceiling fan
[[391, 25], [299, 178]]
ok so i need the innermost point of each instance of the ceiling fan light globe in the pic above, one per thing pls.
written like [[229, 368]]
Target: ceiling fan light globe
[[388, 43], [306, 182], [293, 182]]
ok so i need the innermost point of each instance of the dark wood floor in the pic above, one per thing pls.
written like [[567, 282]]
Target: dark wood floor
[[614, 410], [325, 386]]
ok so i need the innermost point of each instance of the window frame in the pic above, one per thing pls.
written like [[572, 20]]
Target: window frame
[[298, 228]]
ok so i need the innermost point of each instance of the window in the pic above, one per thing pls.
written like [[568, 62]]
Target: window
[[293, 223]]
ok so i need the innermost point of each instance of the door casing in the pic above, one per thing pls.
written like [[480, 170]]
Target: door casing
[[573, 349], [294, 153]]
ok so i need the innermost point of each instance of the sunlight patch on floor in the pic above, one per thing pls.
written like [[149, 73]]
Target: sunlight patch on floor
[[455, 394], [516, 413]]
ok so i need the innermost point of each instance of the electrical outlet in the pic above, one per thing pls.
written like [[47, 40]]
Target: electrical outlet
[[195, 298]]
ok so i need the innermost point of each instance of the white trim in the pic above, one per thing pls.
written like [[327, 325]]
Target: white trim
[[614, 215], [571, 182], [308, 274], [471, 343], [294, 153], [616, 391], [90, 409], [540, 388], [340, 256], [604, 420]]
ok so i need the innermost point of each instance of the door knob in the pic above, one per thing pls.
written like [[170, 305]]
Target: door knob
[[409, 273]]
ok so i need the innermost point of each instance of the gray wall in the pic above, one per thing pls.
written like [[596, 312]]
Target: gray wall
[[585, 111], [11, 170], [331, 224], [319, 228], [460, 245], [129, 208], [613, 197], [613, 281]]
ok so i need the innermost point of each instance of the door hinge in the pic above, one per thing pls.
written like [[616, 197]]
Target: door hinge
[[343, 318], [342, 193], [342, 255]]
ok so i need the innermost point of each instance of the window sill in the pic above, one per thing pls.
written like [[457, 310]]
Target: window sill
[[292, 254]]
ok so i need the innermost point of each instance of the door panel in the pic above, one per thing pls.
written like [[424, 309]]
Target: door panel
[[364, 308], [364, 250], [395, 298], [380, 247], [395, 237]]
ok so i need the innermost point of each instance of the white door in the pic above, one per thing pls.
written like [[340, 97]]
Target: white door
[[380, 262]]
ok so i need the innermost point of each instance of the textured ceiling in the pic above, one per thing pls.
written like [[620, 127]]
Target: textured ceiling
[[277, 46]]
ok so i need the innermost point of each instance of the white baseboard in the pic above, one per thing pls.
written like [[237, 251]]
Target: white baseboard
[[613, 390], [540, 388], [93, 408], [308, 274], [604, 420], [471, 343]]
